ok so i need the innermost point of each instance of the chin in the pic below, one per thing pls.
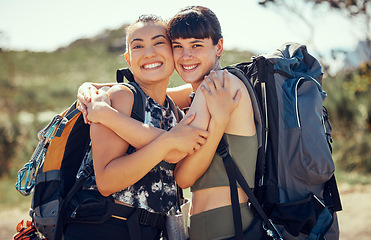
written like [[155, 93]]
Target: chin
[[190, 78]]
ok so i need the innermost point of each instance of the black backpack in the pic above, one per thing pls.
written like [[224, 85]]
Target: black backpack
[[64, 144], [295, 194]]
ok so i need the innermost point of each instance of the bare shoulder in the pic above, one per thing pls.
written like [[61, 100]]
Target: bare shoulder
[[180, 95], [122, 98], [233, 79], [234, 82]]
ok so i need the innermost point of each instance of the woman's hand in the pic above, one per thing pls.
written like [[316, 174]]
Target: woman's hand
[[99, 100], [219, 99], [84, 94], [185, 138]]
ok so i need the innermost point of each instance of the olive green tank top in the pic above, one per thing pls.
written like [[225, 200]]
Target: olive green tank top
[[244, 150]]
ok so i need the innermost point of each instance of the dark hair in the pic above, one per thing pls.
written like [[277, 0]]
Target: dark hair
[[146, 18], [195, 22]]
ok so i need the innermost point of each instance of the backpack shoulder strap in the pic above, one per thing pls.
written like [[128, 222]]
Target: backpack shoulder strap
[[72, 111], [139, 97], [124, 73], [259, 123], [179, 114], [254, 101], [137, 111], [234, 176]]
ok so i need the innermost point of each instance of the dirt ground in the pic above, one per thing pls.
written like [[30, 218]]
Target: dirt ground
[[353, 220]]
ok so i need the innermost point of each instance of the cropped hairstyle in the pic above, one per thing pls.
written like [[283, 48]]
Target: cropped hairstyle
[[195, 22]]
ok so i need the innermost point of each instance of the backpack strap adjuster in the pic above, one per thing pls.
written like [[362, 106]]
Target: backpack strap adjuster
[[87, 171], [148, 218]]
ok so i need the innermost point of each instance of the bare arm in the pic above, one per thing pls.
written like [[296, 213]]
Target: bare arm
[[100, 111], [180, 95], [221, 101], [110, 161], [114, 120]]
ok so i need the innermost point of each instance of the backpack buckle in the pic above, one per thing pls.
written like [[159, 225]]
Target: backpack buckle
[[148, 218], [87, 171], [222, 148], [143, 217]]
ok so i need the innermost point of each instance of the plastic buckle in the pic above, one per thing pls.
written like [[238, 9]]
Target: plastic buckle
[[143, 216], [222, 148], [87, 171], [272, 233]]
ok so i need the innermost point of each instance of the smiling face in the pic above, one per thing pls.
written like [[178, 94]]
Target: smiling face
[[149, 52], [197, 43], [195, 58]]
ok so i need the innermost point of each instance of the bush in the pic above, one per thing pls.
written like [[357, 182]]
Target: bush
[[349, 106]]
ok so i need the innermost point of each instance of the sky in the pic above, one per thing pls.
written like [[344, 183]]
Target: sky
[[45, 25]]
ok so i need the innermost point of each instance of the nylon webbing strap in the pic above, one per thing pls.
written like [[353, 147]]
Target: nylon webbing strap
[[331, 194], [237, 219], [64, 121], [133, 226], [124, 73], [235, 174], [324, 222], [58, 231]]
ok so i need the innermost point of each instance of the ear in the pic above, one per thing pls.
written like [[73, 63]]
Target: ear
[[127, 58], [219, 47]]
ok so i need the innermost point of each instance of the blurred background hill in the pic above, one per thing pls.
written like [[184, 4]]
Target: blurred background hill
[[37, 85]]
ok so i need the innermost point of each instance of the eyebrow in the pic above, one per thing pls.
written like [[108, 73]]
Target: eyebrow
[[195, 41], [153, 38]]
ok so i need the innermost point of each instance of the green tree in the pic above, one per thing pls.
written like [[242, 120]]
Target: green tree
[[9, 126], [349, 106], [357, 11]]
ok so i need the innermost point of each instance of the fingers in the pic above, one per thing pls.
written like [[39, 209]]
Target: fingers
[[214, 84], [201, 140], [218, 84], [188, 119], [237, 97], [91, 92], [191, 152], [197, 146], [188, 139], [226, 79], [203, 134], [83, 109], [83, 99]]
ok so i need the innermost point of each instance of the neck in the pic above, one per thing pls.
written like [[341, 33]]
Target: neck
[[156, 91]]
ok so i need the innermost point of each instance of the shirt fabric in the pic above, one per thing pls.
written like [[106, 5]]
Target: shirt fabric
[[156, 191]]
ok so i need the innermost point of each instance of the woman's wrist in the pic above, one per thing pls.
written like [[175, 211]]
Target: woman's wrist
[[106, 113], [218, 123]]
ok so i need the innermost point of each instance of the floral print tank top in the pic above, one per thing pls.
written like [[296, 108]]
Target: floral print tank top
[[156, 191]]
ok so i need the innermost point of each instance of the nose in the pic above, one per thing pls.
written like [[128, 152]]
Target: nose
[[149, 52], [187, 54]]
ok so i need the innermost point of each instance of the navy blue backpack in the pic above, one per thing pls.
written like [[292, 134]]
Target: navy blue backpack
[[295, 194]]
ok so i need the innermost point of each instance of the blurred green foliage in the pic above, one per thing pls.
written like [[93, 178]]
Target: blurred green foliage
[[34, 86], [349, 106]]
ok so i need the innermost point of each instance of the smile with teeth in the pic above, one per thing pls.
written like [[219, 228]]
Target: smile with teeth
[[190, 67], [152, 65]]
